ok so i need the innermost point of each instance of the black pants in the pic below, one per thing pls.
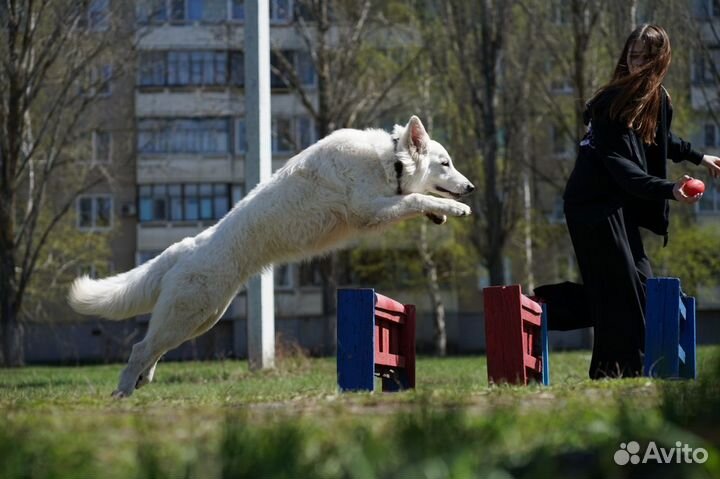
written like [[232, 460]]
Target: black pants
[[614, 270]]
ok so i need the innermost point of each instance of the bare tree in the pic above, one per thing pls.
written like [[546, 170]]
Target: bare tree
[[475, 36], [345, 41], [51, 57]]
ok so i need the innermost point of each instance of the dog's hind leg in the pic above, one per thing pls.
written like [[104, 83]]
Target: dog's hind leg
[[173, 322], [141, 358], [147, 375]]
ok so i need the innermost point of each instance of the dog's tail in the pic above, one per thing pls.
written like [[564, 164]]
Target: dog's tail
[[124, 295]]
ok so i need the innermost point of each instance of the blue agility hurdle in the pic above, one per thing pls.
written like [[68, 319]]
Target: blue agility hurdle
[[375, 337], [670, 342]]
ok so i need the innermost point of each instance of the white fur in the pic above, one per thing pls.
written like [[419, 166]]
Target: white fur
[[338, 188]]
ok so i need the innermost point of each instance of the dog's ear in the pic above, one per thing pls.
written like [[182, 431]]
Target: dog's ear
[[416, 138]]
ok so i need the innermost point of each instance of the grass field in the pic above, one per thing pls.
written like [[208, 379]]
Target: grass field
[[217, 419]]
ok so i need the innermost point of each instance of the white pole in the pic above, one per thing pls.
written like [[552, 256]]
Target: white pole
[[258, 167]]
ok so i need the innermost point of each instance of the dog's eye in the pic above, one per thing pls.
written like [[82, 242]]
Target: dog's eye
[[445, 162]]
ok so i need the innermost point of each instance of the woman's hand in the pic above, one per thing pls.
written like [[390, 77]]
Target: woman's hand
[[712, 163], [680, 194]]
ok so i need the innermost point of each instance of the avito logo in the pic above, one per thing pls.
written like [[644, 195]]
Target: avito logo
[[681, 453]]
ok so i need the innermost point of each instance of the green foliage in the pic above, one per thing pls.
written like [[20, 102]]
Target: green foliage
[[394, 259], [691, 254], [67, 253]]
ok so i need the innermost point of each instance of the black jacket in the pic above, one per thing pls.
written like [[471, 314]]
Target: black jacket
[[615, 169]]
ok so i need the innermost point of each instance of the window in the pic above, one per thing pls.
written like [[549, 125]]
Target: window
[[153, 202], [101, 147], [151, 11], [207, 68], [304, 11], [710, 137], [152, 136], [292, 134], [99, 15], [178, 68], [310, 274], [237, 68], [175, 197], [94, 17], [240, 136], [207, 10], [191, 68], [276, 79], [301, 62], [151, 69], [94, 212], [184, 202], [178, 10], [104, 75], [184, 135], [191, 205], [305, 68], [283, 140], [280, 11], [198, 136], [95, 81], [215, 10], [305, 132], [283, 276], [238, 10], [197, 67], [237, 194]]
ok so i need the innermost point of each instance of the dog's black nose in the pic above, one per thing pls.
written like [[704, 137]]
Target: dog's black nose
[[469, 188]]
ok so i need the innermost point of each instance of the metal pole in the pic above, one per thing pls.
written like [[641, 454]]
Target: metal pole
[[258, 167]]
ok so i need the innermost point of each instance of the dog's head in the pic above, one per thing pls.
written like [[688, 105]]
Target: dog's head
[[423, 165]]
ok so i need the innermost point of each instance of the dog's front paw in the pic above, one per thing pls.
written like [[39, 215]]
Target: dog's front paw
[[437, 219], [459, 209]]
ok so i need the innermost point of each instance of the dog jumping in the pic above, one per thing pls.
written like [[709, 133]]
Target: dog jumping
[[351, 182]]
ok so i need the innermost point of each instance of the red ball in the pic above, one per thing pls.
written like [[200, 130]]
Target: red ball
[[693, 187]]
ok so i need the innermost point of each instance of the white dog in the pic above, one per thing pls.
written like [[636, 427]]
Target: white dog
[[350, 182]]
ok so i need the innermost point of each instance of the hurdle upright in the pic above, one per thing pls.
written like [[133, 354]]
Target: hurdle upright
[[376, 337], [670, 342]]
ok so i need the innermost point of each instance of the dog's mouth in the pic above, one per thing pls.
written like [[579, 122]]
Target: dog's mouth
[[447, 192]]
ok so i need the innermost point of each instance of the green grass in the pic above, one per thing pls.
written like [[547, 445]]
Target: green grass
[[217, 419]]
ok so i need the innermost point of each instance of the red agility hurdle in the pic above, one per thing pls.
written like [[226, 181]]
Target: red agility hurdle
[[516, 336]]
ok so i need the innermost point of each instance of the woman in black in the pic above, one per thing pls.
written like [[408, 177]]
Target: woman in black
[[617, 186]]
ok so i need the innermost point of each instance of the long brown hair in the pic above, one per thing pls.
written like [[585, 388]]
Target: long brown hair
[[640, 94]]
